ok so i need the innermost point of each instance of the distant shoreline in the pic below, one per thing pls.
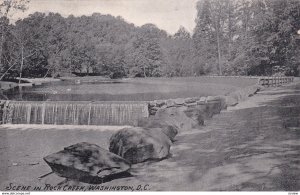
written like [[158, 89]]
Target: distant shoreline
[[6, 85]]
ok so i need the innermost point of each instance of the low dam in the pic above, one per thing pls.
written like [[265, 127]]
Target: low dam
[[121, 112], [73, 113]]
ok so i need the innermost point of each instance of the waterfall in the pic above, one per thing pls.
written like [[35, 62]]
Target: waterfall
[[74, 113]]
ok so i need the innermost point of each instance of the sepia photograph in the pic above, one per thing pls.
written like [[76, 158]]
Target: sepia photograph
[[149, 95]]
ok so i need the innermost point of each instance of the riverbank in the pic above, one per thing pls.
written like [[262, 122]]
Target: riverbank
[[39, 81], [6, 85]]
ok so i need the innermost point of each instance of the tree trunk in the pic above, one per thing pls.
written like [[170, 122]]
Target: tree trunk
[[1, 49], [144, 69], [22, 63], [3, 75], [2, 42], [47, 73], [230, 28], [219, 52]]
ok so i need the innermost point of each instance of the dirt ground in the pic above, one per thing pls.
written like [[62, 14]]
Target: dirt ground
[[253, 146]]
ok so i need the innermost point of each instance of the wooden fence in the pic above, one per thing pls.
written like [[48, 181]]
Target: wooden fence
[[274, 81]]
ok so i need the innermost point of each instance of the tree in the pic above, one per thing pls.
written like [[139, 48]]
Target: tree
[[146, 56], [247, 37], [7, 9], [214, 32], [30, 47], [180, 54]]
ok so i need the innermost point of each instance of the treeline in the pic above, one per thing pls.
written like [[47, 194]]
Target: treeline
[[51, 45], [231, 37], [248, 37]]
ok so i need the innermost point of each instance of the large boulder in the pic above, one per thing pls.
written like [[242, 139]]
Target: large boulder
[[135, 144], [179, 101], [177, 116], [208, 108], [213, 107], [153, 122], [196, 115], [203, 109], [191, 100], [170, 103], [87, 163], [159, 103], [220, 98], [231, 100]]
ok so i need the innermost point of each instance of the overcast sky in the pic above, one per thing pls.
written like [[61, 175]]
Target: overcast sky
[[166, 14]]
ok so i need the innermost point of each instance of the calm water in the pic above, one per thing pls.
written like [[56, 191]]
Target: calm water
[[126, 90]]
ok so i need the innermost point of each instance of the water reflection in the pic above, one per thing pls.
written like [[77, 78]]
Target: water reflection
[[118, 91]]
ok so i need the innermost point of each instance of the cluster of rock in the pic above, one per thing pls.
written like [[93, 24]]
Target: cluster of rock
[[149, 139], [152, 137], [229, 99], [192, 102]]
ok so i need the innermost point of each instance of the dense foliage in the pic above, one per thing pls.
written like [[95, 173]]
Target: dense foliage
[[242, 37], [231, 37]]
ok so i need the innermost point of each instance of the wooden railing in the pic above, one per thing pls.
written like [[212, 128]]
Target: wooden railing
[[274, 81]]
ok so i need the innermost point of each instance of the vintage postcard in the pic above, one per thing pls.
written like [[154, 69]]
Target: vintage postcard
[[149, 95]]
